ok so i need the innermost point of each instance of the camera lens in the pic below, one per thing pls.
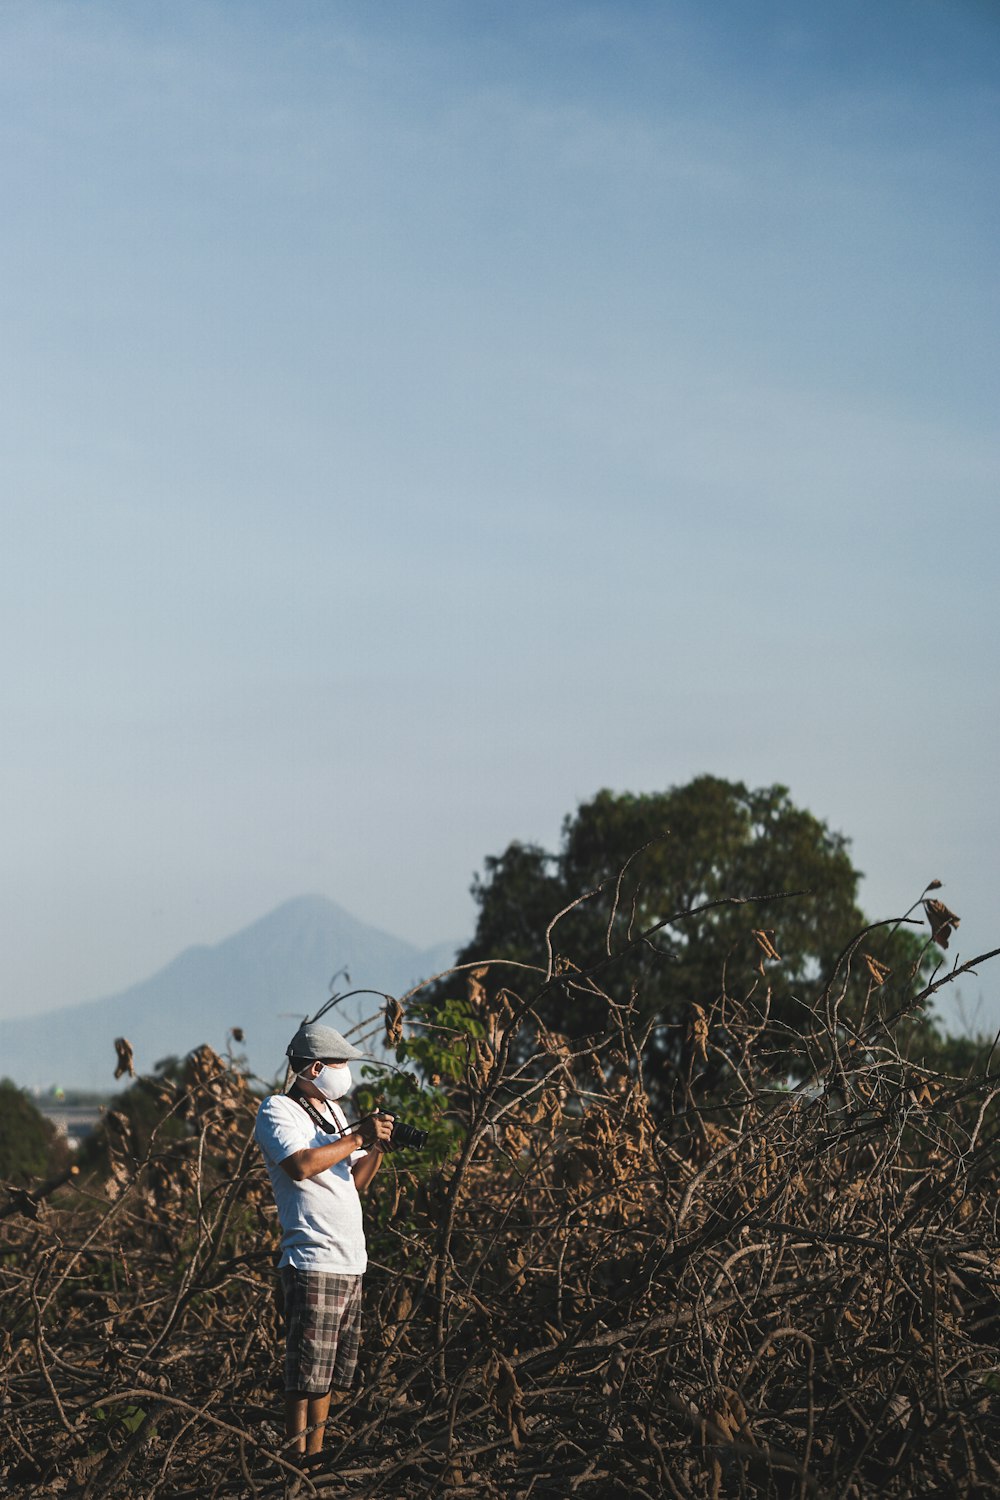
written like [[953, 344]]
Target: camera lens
[[407, 1135]]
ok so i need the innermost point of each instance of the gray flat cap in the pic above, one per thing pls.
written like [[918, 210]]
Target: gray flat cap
[[316, 1040]]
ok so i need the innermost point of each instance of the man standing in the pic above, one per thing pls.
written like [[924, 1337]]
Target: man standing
[[317, 1162]]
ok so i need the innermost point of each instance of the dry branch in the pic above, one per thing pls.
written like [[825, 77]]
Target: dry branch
[[774, 1291]]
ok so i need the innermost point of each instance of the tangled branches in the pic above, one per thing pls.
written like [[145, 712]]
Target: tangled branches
[[785, 1283]]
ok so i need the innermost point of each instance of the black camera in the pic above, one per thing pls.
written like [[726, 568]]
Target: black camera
[[407, 1135]]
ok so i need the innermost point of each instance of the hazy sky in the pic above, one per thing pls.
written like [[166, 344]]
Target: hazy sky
[[414, 418]]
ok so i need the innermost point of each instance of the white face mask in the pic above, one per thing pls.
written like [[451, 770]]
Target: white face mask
[[333, 1082]]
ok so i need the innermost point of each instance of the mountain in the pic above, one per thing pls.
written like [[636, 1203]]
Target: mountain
[[264, 979]]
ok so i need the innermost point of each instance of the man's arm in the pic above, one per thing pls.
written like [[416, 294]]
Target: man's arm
[[364, 1170], [312, 1160]]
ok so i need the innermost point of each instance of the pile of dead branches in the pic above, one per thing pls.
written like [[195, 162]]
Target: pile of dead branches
[[787, 1283]]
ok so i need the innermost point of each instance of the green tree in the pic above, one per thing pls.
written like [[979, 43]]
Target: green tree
[[30, 1146], [690, 858], [425, 1088]]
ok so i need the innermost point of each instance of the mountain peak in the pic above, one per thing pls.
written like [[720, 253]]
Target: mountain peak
[[262, 979]]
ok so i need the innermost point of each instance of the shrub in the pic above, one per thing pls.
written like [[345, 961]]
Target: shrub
[[30, 1145]]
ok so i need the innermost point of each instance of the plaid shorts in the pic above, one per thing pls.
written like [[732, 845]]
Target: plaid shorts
[[322, 1329]]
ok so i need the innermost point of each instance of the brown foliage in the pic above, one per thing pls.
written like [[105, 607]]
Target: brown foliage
[[779, 1290], [942, 922]]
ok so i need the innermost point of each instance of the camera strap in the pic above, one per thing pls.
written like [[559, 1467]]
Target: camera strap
[[340, 1127]]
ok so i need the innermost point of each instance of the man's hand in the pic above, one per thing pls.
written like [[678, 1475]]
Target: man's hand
[[375, 1130]]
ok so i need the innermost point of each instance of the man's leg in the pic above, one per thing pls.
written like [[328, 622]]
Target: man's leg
[[305, 1421], [323, 1326]]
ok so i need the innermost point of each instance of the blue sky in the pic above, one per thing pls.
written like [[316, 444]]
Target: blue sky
[[415, 418]]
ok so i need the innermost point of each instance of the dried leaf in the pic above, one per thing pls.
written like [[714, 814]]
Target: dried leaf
[[764, 936], [393, 1022], [508, 1398], [125, 1062], [477, 990], [921, 1094], [879, 972], [699, 1032], [118, 1123], [117, 1180], [942, 922]]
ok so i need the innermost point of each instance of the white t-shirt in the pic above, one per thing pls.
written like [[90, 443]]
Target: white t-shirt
[[321, 1223]]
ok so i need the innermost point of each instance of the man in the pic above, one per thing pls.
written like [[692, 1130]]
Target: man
[[317, 1162]]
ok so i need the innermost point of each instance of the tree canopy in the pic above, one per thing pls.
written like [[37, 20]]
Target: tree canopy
[[682, 888]]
